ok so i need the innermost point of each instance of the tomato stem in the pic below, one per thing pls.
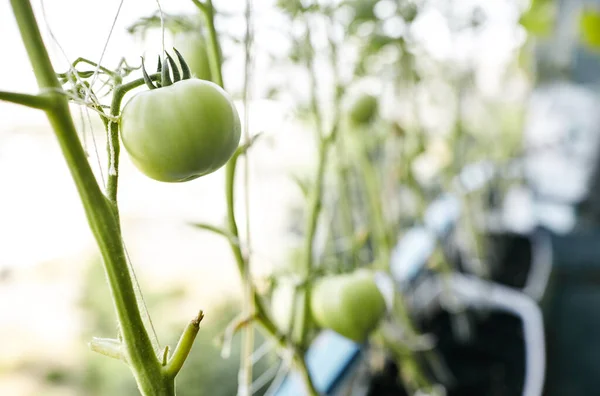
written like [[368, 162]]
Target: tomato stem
[[208, 12], [100, 215], [184, 346], [372, 189], [316, 194], [262, 316], [343, 168], [40, 101], [79, 60], [114, 147]]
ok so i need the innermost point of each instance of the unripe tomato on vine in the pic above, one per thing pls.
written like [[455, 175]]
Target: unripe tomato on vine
[[363, 109], [349, 304], [180, 129]]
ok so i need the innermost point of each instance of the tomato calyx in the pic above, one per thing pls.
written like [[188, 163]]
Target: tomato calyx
[[166, 68]]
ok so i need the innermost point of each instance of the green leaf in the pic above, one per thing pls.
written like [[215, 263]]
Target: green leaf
[[539, 20], [589, 27]]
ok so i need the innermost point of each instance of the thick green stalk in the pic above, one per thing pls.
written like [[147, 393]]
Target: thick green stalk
[[99, 212]]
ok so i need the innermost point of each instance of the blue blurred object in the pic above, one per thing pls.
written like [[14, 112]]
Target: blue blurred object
[[330, 360], [442, 214], [411, 254]]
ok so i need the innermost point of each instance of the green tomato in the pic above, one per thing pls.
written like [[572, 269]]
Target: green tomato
[[363, 109], [194, 50], [180, 132], [349, 304]]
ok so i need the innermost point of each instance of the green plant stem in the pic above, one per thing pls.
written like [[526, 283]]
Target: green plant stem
[[108, 72], [40, 101], [345, 203], [345, 193], [413, 377], [379, 227], [261, 314], [246, 362], [314, 210], [184, 346], [114, 148], [315, 198], [112, 128], [382, 248], [230, 170], [208, 11], [300, 364], [103, 223]]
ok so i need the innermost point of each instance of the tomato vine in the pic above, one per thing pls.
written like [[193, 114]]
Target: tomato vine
[[154, 375]]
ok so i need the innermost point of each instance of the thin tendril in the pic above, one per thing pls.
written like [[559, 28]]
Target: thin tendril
[[111, 169], [162, 27], [63, 53], [83, 86], [83, 134], [95, 145], [112, 28], [136, 285], [77, 100], [246, 364]]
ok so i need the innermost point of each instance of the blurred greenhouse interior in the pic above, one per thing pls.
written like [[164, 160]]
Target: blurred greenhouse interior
[[413, 207]]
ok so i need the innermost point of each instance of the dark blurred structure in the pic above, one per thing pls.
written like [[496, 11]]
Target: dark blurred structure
[[551, 266], [569, 81]]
